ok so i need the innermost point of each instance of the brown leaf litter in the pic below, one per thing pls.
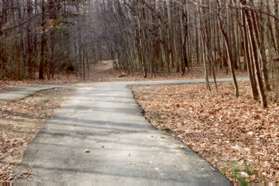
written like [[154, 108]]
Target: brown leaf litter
[[228, 132], [20, 121]]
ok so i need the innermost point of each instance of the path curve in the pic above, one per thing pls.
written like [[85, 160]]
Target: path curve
[[21, 92], [100, 137]]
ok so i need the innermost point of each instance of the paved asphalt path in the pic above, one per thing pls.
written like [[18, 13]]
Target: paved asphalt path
[[100, 137], [20, 92]]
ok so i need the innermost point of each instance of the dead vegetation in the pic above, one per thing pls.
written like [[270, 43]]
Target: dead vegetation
[[233, 134], [20, 121], [104, 71]]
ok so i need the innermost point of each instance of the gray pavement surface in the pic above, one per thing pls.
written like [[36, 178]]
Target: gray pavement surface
[[100, 137], [20, 92]]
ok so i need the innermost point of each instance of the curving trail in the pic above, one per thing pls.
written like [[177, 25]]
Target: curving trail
[[100, 137]]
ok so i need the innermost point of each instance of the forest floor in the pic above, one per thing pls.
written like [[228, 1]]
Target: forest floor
[[20, 121], [59, 80], [234, 134], [105, 72]]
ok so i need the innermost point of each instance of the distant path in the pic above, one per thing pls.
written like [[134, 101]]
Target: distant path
[[100, 138]]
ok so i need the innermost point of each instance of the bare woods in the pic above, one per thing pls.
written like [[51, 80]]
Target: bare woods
[[41, 38], [177, 35]]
